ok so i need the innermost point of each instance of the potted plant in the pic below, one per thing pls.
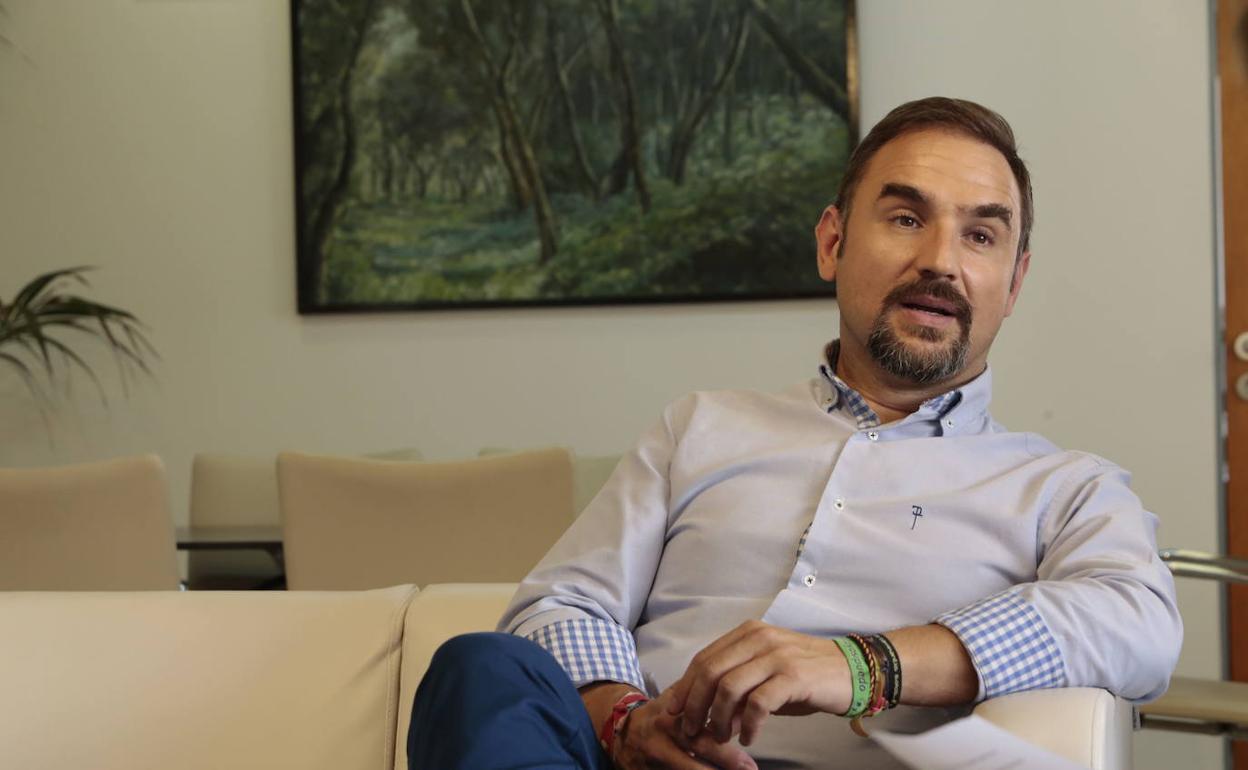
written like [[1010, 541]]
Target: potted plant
[[42, 327]]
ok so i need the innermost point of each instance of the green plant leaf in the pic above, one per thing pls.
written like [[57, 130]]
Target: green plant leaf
[[66, 351], [30, 291], [42, 307], [27, 375]]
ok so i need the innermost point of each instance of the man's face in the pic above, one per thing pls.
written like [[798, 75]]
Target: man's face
[[925, 266]]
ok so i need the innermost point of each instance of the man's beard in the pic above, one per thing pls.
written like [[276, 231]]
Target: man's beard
[[923, 365]]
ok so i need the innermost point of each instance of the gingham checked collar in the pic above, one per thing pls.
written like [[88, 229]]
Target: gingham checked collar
[[845, 397]]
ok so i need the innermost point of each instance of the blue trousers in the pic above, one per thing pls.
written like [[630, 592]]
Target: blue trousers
[[492, 701]]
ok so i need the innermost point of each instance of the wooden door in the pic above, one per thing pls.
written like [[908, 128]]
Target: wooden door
[[1232, 36]]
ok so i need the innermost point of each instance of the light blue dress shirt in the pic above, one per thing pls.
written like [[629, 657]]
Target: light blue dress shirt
[[801, 510]]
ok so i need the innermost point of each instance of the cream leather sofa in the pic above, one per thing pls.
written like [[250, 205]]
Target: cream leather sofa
[[306, 680]]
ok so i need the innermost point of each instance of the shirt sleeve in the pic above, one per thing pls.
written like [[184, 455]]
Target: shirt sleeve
[[591, 650], [582, 601], [1102, 610]]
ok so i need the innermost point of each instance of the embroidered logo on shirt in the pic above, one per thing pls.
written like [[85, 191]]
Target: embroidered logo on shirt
[[917, 512]]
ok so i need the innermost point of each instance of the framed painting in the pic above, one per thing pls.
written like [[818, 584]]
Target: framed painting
[[485, 153]]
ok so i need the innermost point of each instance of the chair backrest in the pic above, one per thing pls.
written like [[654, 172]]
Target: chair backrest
[[241, 491], [350, 523], [201, 680], [101, 526], [234, 491], [589, 474]]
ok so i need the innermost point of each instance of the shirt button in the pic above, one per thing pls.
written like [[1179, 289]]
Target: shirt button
[[839, 504], [873, 435], [809, 580], [948, 423]]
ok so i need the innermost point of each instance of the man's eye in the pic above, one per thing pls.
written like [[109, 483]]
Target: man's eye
[[906, 221], [982, 238]]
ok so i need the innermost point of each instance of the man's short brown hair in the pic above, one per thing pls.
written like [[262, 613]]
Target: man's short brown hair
[[956, 115]]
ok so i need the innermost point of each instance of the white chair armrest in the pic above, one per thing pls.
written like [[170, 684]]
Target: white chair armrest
[[1083, 724]]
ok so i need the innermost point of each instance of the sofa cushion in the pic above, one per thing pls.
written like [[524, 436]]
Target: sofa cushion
[[435, 615], [200, 680]]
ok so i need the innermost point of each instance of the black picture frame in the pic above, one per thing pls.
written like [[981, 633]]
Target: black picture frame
[[423, 184]]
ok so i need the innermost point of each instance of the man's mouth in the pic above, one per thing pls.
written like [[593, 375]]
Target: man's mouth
[[929, 304]]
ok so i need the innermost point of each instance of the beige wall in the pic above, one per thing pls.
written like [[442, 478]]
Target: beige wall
[[153, 139]]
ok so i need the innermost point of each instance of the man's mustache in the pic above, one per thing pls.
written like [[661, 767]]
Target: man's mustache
[[913, 293]]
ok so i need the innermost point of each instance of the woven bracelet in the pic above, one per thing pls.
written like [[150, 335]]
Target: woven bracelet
[[885, 646]]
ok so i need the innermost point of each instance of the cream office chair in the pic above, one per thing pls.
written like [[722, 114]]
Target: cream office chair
[[589, 474], [100, 526], [350, 523], [1209, 706], [229, 491]]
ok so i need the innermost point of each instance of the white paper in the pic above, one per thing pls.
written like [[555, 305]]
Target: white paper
[[971, 743]]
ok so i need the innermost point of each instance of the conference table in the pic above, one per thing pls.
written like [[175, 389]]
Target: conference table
[[249, 538]]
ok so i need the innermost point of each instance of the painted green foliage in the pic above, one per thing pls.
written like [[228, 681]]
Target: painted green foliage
[[511, 151]]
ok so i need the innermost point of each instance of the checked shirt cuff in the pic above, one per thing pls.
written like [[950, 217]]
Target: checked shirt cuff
[[1009, 644], [592, 650]]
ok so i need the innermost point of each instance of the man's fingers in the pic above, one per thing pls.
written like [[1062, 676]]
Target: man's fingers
[[669, 755], [680, 690], [723, 755], [706, 670], [762, 702], [733, 690], [653, 739]]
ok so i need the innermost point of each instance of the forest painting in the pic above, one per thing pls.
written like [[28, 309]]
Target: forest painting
[[472, 153]]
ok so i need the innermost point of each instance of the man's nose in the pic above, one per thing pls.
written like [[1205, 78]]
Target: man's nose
[[937, 256]]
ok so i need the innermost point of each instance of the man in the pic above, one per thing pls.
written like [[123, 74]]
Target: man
[[715, 580]]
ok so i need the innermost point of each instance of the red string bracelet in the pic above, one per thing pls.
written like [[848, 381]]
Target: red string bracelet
[[614, 722]]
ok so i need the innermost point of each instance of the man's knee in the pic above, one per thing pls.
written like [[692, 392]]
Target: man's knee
[[487, 651], [488, 664]]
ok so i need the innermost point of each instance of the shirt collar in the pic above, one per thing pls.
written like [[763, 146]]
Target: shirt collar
[[959, 406]]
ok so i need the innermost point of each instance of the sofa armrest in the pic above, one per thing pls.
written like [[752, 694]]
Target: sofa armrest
[[1083, 724]]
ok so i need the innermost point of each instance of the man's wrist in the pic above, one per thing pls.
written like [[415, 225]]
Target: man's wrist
[[611, 734], [600, 697]]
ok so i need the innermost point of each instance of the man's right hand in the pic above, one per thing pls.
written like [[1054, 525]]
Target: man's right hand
[[652, 737]]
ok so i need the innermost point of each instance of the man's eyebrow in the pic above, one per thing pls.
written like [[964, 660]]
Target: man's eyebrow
[[991, 211], [903, 191]]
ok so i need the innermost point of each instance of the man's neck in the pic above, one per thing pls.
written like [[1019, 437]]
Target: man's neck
[[891, 398]]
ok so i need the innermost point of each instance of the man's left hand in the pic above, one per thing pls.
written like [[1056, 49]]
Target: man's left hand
[[754, 671]]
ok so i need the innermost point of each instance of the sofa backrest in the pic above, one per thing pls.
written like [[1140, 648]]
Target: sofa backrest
[[200, 680]]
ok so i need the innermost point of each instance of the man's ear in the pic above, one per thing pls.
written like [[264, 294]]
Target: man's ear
[[829, 235], [1016, 283]]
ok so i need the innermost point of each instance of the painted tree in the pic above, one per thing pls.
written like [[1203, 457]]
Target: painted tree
[[333, 37], [629, 161], [488, 46]]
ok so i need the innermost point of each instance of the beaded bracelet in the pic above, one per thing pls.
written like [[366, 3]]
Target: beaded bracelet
[[859, 674]]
